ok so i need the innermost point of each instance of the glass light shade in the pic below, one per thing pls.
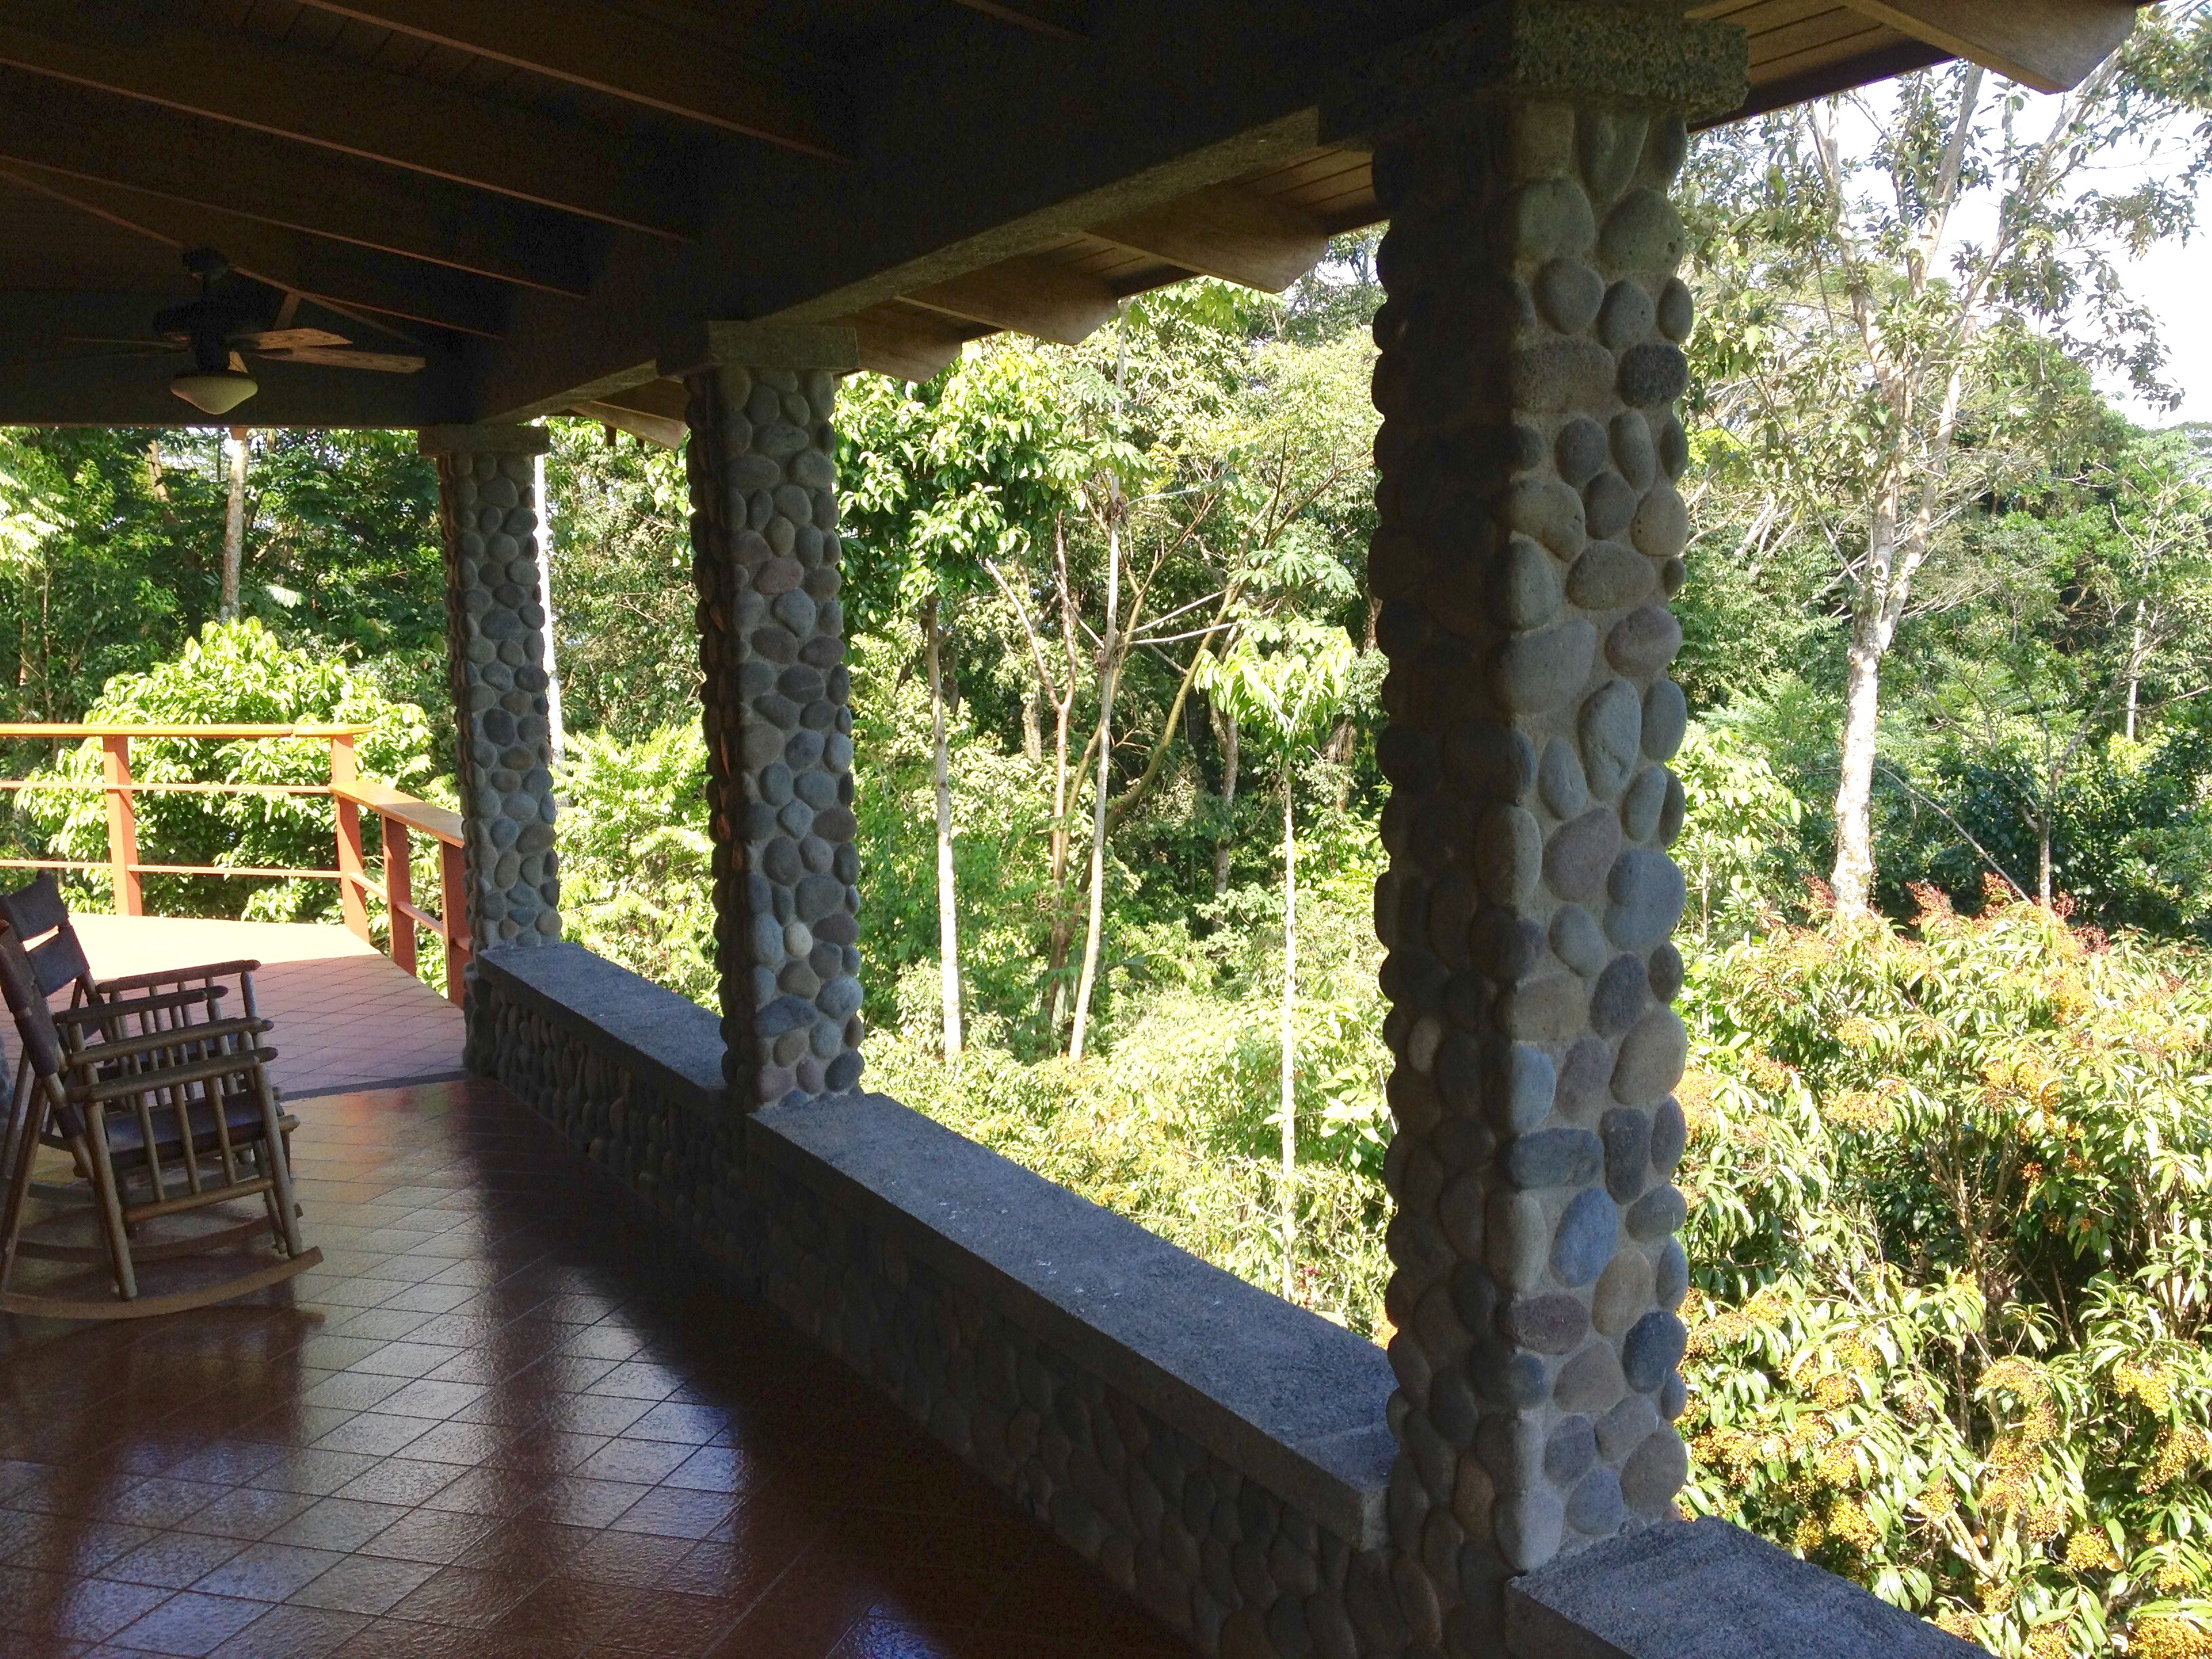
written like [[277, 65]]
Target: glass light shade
[[217, 391]]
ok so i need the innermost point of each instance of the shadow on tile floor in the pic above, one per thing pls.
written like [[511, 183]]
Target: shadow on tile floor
[[502, 1420]]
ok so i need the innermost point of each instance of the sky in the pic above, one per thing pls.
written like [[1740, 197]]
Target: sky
[[2175, 282]]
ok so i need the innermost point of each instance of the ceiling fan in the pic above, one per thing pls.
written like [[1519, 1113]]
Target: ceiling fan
[[230, 321]]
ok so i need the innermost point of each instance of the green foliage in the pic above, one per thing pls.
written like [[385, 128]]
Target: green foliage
[[636, 862], [233, 673], [625, 644], [1952, 1230], [1737, 835]]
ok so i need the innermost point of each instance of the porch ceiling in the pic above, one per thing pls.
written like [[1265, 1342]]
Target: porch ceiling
[[539, 195]]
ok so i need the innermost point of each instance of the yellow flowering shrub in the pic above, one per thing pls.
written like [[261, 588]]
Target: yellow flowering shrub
[[1952, 1253]]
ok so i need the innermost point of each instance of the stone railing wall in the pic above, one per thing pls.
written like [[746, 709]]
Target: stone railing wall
[[1222, 1456], [635, 1084]]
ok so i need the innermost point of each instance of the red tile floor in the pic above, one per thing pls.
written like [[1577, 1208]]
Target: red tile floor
[[346, 1016], [502, 1420]]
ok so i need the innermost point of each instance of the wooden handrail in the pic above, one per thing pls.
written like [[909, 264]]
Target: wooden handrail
[[210, 733], [399, 815], [420, 816]]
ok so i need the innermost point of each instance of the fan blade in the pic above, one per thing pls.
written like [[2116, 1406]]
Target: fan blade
[[383, 363], [287, 339], [237, 364], [139, 345]]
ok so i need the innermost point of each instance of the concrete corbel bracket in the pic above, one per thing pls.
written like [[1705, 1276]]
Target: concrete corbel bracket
[[772, 345], [1637, 51], [484, 440]]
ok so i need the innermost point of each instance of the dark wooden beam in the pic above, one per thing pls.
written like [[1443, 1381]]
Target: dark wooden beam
[[620, 53], [96, 136], [1061, 19], [330, 273], [1027, 294], [288, 93], [1236, 234], [134, 391]]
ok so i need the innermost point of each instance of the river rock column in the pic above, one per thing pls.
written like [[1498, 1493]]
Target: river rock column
[[495, 655], [778, 728], [1531, 535]]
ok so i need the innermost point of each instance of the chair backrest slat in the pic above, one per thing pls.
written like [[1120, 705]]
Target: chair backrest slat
[[35, 912], [34, 1024]]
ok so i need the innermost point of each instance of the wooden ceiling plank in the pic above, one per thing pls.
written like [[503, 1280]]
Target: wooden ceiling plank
[[108, 140], [292, 93], [1229, 232], [331, 274], [1027, 294], [2049, 45], [617, 53]]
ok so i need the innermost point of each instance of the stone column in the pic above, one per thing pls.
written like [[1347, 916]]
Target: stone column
[[779, 732], [1531, 536], [495, 654]]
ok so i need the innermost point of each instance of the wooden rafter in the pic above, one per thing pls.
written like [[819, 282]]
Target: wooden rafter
[[618, 53], [2049, 45], [356, 279], [1027, 294], [1228, 232], [106, 140], [288, 93]]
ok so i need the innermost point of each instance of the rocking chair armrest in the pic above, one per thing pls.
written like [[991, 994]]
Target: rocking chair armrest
[[176, 976], [100, 1053], [96, 1091], [91, 1013]]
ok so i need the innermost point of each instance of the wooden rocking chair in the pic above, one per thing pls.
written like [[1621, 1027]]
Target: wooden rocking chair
[[162, 1120]]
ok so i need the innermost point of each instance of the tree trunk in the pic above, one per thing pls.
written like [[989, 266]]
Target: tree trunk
[[1853, 872], [948, 918], [1056, 955], [1106, 664], [234, 529], [2042, 857], [2134, 669], [1287, 1197], [1225, 841], [556, 738], [1032, 727]]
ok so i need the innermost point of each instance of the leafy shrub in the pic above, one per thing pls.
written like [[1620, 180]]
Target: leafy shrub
[[233, 673], [1952, 1226], [636, 862]]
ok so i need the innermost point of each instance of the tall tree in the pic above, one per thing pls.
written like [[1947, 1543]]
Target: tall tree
[[1891, 277], [234, 527], [1288, 680]]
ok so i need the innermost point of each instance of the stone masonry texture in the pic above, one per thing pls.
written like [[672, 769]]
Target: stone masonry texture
[[495, 640], [779, 732], [1531, 536]]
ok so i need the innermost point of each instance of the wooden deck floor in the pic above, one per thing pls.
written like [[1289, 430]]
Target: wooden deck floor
[[501, 1421], [346, 1017]]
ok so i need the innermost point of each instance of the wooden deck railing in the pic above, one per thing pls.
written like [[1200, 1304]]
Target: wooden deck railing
[[400, 816]]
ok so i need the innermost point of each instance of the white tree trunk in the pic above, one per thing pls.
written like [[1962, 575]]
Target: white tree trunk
[[1107, 664], [234, 529], [1854, 873], [948, 912], [1223, 843], [1286, 1198], [557, 732]]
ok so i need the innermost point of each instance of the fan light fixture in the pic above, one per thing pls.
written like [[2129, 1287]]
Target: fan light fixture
[[217, 391]]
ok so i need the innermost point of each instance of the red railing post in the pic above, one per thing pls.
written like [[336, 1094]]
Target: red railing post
[[453, 916], [122, 823], [399, 891], [353, 872]]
